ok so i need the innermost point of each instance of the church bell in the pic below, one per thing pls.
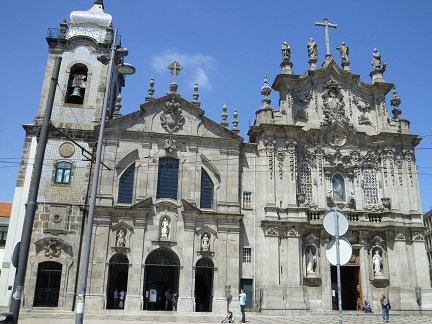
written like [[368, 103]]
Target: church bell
[[76, 94]]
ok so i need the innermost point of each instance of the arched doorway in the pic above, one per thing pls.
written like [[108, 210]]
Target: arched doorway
[[204, 285], [48, 284], [161, 274], [117, 277]]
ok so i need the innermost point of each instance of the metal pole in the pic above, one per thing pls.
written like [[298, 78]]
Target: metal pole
[[87, 245], [338, 265], [26, 234]]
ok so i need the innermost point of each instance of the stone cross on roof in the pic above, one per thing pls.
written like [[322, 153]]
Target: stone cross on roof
[[326, 25], [175, 69]]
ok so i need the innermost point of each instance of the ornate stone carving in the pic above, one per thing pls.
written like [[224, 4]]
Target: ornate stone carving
[[333, 104], [280, 156], [270, 148], [53, 249], [408, 155], [291, 152], [400, 235], [311, 262], [363, 108], [272, 231], [171, 117], [170, 144], [336, 138], [302, 102], [66, 150], [377, 263], [386, 203], [399, 165], [418, 236], [292, 231], [311, 239]]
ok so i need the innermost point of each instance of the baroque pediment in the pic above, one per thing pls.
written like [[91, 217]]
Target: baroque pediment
[[170, 115]]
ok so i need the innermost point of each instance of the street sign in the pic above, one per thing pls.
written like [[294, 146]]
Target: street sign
[[330, 219], [345, 251]]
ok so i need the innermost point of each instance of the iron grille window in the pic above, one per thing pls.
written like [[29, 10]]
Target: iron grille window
[[63, 172], [206, 190], [247, 199], [126, 185], [370, 187], [3, 235], [305, 183], [247, 254], [167, 178]]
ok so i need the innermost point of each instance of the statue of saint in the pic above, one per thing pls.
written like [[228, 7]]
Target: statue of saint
[[165, 228], [377, 262], [121, 242], [286, 52], [312, 49], [205, 242], [376, 59], [344, 52], [338, 188], [311, 260]]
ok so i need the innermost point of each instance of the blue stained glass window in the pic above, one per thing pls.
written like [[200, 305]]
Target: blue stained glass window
[[167, 178], [126, 185], [63, 172], [206, 200]]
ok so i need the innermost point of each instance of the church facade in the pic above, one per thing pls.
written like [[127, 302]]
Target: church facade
[[185, 204]]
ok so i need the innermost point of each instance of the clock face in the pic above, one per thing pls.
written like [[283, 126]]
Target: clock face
[[66, 149]]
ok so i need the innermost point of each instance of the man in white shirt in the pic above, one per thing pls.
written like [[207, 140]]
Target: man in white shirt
[[242, 298]]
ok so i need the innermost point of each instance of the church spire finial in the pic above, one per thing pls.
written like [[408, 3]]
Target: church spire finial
[[265, 91], [175, 69], [326, 26], [224, 122], [235, 122], [151, 91], [395, 101], [195, 95]]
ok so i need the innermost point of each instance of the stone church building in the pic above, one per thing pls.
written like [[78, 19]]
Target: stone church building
[[185, 203]]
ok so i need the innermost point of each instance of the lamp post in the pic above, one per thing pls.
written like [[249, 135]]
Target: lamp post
[[123, 68]]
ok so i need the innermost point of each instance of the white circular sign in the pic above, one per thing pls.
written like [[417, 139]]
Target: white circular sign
[[330, 219], [345, 251]]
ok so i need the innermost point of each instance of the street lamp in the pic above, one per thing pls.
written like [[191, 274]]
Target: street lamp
[[122, 68]]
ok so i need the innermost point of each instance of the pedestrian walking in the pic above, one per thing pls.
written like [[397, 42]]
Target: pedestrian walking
[[242, 298], [385, 305]]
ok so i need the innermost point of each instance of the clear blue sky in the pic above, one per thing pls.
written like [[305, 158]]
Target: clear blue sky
[[225, 46]]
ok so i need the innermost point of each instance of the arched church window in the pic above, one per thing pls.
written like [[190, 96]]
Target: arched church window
[[370, 187], [305, 180], [167, 178], [63, 172], [207, 187], [338, 187], [77, 84], [126, 185]]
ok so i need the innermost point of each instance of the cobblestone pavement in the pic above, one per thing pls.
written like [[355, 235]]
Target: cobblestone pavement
[[36, 317]]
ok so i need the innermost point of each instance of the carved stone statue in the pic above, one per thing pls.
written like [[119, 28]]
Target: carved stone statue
[[286, 52], [205, 242], [165, 228], [377, 262], [338, 187], [376, 61], [121, 242], [311, 260], [312, 49], [344, 52]]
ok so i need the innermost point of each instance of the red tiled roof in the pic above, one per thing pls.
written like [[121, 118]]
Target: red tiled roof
[[5, 209]]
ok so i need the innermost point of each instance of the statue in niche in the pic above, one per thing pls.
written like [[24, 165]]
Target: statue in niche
[[344, 52], [205, 242], [338, 184], [165, 228], [121, 241], [286, 52], [311, 260], [312, 49], [377, 259]]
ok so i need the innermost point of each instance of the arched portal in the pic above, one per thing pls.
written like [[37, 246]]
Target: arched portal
[[161, 274], [48, 284], [204, 285], [117, 278]]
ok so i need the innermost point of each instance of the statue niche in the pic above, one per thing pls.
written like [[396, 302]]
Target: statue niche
[[333, 104]]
